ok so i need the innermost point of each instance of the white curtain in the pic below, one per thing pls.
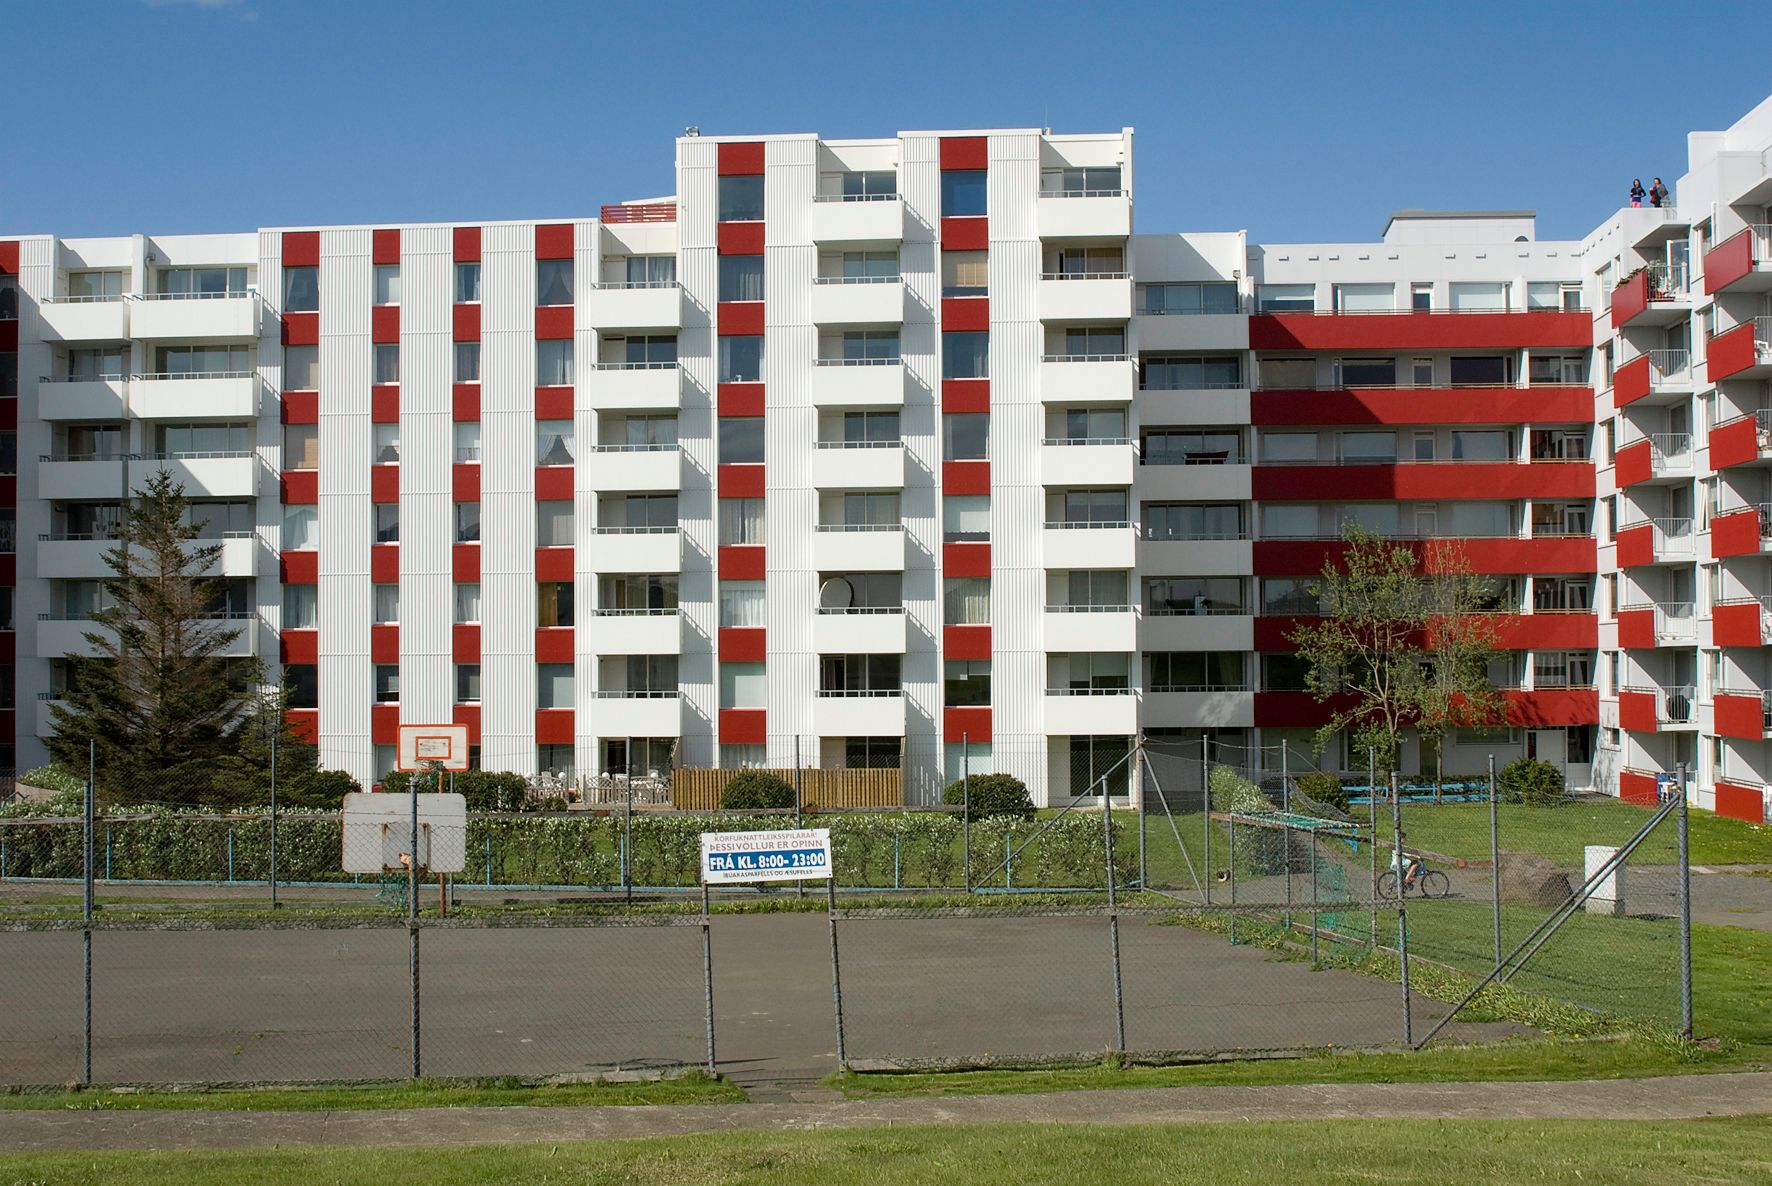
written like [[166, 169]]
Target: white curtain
[[1478, 295], [741, 521], [742, 603]]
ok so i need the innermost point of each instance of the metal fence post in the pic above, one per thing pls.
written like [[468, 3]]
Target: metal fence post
[[1206, 810], [627, 841], [1402, 913], [90, 814], [836, 974], [1311, 840], [1113, 912], [1286, 829], [800, 886], [1231, 864], [966, 807], [1685, 876], [1495, 858], [1372, 815], [273, 870], [412, 930], [707, 974]]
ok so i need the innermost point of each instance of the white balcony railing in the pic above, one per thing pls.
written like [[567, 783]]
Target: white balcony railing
[[1671, 537], [1675, 620], [1670, 452], [1669, 368]]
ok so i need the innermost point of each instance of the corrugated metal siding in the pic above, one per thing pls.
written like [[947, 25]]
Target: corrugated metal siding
[[346, 683], [36, 279], [427, 451], [697, 271], [587, 265], [270, 451], [507, 497]]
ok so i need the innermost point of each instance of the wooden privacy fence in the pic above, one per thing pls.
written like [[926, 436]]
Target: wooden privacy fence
[[699, 790]]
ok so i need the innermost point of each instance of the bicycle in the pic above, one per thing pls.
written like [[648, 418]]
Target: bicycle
[[1426, 883]]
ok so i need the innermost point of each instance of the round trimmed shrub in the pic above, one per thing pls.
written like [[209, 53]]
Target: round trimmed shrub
[[757, 790], [1323, 788], [990, 795], [1531, 781]]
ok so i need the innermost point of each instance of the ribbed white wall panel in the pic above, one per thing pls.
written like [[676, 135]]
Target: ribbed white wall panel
[[507, 497], [1018, 583], [36, 279], [919, 262], [587, 266], [427, 454], [698, 272], [790, 428], [346, 525], [270, 450]]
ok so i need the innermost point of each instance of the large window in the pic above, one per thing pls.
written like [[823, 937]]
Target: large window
[[872, 428], [387, 683], [1081, 180], [553, 442], [741, 358], [1095, 341], [1162, 372], [1478, 296], [966, 354], [1482, 445], [467, 522], [301, 290], [966, 518], [467, 441], [870, 345], [641, 431], [301, 446], [387, 284], [1195, 671], [861, 508], [301, 607], [741, 198], [742, 603], [387, 522], [859, 675], [1286, 298], [1185, 446], [650, 512], [741, 521], [1483, 370], [554, 604], [639, 592], [301, 528], [1365, 298], [108, 362], [1188, 521], [651, 271], [966, 682], [1158, 300], [1292, 596], [1097, 508], [384, 363], [741, 440], [965, 273], [467, 284], [966, 601], [741, 278], [195, 440], [209, 282], [1172, 596], [1365, 372], [1089, 671], [966, 436], [553, 282], [467, 683], [858, 265], [553, 685], [873, 753], [862, 591], [553, 523], [385, 604], [467, 362], [743, 685], [962, 193], [467, 602], [553, 363], [1089, 589], [202, 361]]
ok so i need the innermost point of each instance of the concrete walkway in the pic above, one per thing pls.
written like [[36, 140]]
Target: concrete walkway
[[1668, 1098]]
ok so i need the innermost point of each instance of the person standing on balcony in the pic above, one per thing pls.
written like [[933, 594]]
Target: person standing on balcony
[[1636, 191], [1657, 193]]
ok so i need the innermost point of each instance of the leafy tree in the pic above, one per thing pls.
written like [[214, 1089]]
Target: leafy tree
[[1460, 644], [160, 699]]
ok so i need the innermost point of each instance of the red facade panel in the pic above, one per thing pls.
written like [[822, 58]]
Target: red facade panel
[[384, 245], [464, 401], [304, 723], [554, 241], [384, 724], [966, 642], [384, 323], [1547, 630], [1630, 300], [1549, 707], [965, 395], [553, 483], [966, 560], [1635, 545], [384, 644], [744, 726], [1639, 788], [740, 238], [1636, 629], [1736, 533], [299, 567], [384, 563], [553, 322], [464, 563], [965, 234], [1293, 709], [1632, 462], [384, 405], [553, 644], [1487, 556], [301, 487], [384, 483], [465, 321], [1469, 479], [1636, 711], [741, 481], [1465, 405], [554, 564], [9, 338], [1731, 352], [464, 481], [467, 244], [740, 317], [554, 403], [301, 329], [465, 642], [1734, 442], [468, 717], [1420, 331], [1730, 261], [1739, 716], [298, 646], [1739, 802], [1736, 624], [738, 158], [742, 562], [966, 313], [966, 477], [553, 726], [1630, 382], [9, 257], [743, 644], [301, 249], [740, 399], [9, 405], [965, 152], [970, 724]]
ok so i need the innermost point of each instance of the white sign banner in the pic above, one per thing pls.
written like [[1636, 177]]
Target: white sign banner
[[801, 854]]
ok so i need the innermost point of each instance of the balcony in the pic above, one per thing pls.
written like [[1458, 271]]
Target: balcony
[[1399, 406], [636, 549], [84, 319], [81, 399], [1221, 708], [1090, 545], [1653, 377], [1742, 262], [1656, 541], [859, 631], [1177, 332], [1232, 630], [1403, 479], [64, 636], [1486, 555], [1742, 440], [1202, 557], [1091, 711], [1745, 715], [637, 714], [618, 386], [1087, 461], [858, 382], [203, 475], [855, 713], [857, 218], [1085, 297], [857, 300], [1659, 457], [1090, 628], [1170, 479], [1088, 378], [1742, 622], [633, 631], [80, 479], [635, 467], [1744, 352], [858, 465], [1649, 709], [219, 395], [635, 305], [1738, 531], [1409, 330], [870, 547], [196, 317], [1654, 295], [1085, 214]]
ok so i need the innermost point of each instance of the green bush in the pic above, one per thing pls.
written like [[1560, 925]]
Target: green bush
[[319, 789], [990, 795], [1323, 788], [1531, 781], [1257, 850], [54, 778], [756, 790], [484, 790]]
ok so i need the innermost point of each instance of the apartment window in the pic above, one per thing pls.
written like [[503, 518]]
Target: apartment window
[[966, 436], [1568, 370], [1291, 596], [1365, 372], [303, 682], [385, 360], [648, 511], [1192, 521], [387, 683], [1081, 180], [1482, 445], [1179, 446], [742, 604], [966, 518], [1195, 671], [1161, 372], [966, 601], [554, 758], [642, 350], [90, 366], [870, 183], [962, 193], [870, 345], [387, 522], [741, 358], [553, 523], [387, 284], [1482, 370], [8, 374], [655, 431], [1284, 673], [301, 607], [1095, 341], [1286, 298], [301, 290], [743, 685], [1609, 583], [553, 442], [467, 284], [1097, 589], [859, 265], [1365, 298], [741, 278], [467, 522], [651, 271], [741, 521], [1158, 300], [301, 528], [553, 685], [386, 600], [1090, 424], [202, 361], [1086, 261], [553, 363], [741, 440], [217, 281], [965, 273], [172, 440], [861, 674], [8, 298], [553, 282], [87, 286], [301, 446], [966, 682], [301, 368], [1482, 296], [1089, 671], [1366, 448], [1288, 446], [873, 428], [1194, 596], [1421, 297], [1096, 508], [467, 440], [554, 604], [1421, 372], [467, 683], [741, 198], [742, 757], [860, 509], [872, 753], [467, 603], [863, 591], [467, 362], [384, 447], [966, 354]]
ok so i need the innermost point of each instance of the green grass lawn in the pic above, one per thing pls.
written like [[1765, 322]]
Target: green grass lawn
[[1397, 1153], [1462, 830], [691, 1088]]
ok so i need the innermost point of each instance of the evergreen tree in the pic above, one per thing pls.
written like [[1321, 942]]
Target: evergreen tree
[[160, 699]]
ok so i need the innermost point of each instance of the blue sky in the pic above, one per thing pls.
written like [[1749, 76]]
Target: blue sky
[[1296, 122]]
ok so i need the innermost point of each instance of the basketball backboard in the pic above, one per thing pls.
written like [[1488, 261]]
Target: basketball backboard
[[433, 747], [378, 833]]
